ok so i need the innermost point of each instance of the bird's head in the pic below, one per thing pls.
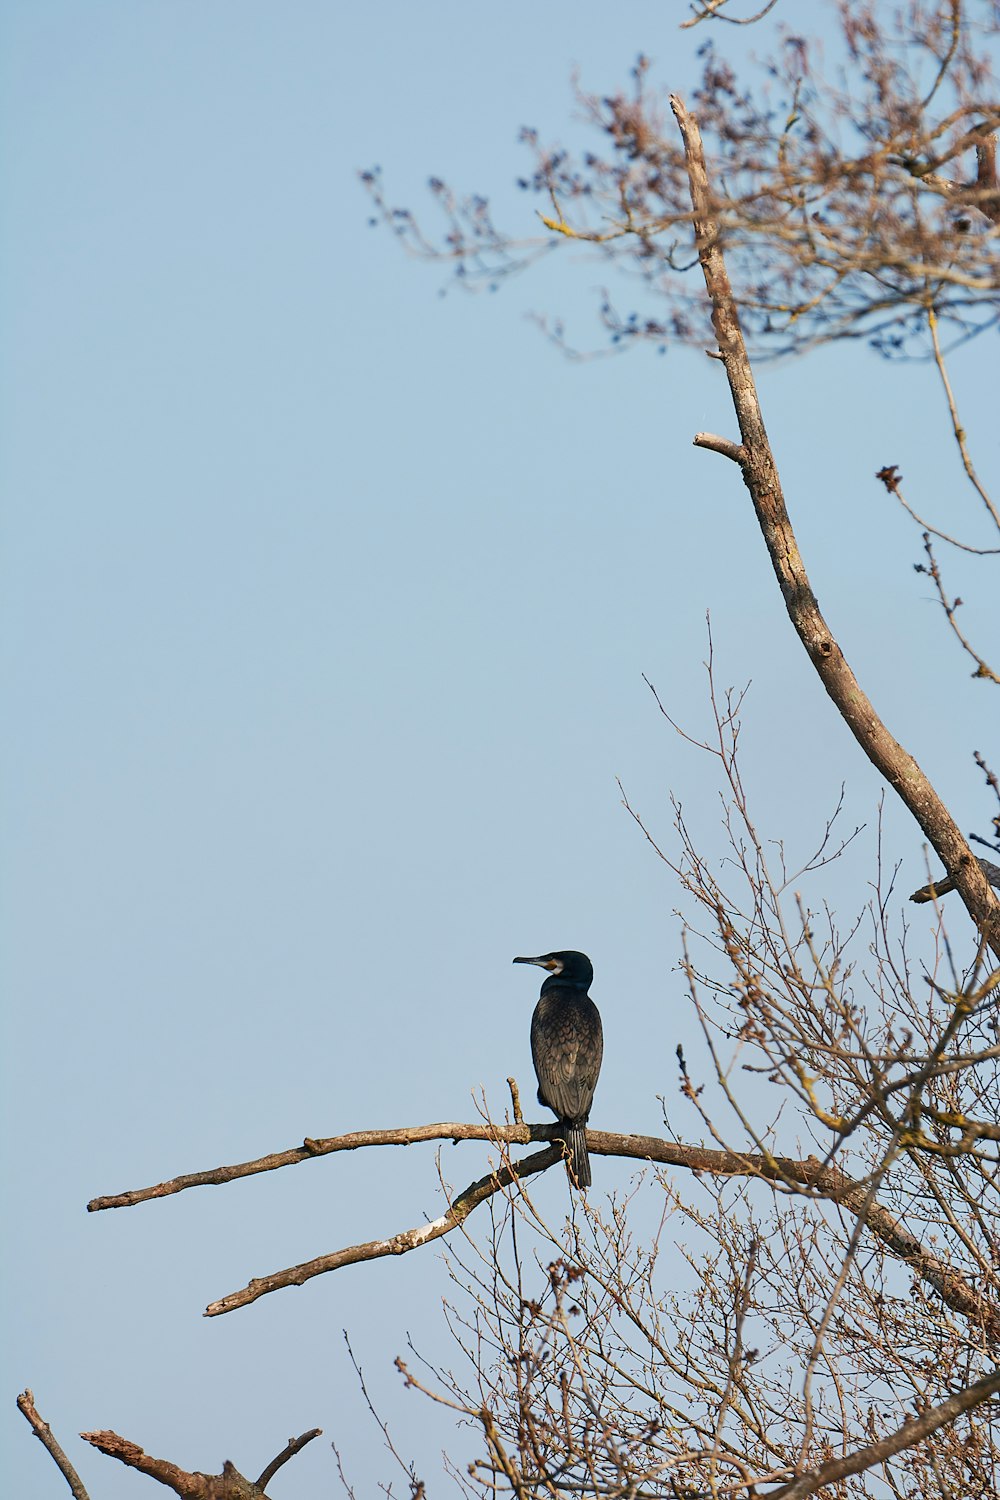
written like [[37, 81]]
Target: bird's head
[[570, 966]]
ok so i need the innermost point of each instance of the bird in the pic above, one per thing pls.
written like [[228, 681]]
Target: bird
[[945, 884], [567, 1044]]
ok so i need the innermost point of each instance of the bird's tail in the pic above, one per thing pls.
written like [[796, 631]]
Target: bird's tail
[[578, 1163]]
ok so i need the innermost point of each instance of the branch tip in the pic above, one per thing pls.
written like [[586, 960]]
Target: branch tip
[[725, 446]]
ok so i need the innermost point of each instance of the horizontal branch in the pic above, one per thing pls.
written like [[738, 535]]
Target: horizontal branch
[[725, 446], [600, 1142], [403, 1135], [825, 1182]]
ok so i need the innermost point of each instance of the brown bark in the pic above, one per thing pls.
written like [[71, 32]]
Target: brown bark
[[43, 1432], [810, 1175], [229, 1485], [404, 1135], [760, 475], [397, 1244]]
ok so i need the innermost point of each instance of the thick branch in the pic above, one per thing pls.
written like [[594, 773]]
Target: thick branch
[[43, 1432], [761, 477], [229, 1485], [913, 1431], [825, 1182]]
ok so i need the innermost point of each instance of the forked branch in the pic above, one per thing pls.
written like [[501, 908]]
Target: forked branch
[[229, 1485], [810, 1176]]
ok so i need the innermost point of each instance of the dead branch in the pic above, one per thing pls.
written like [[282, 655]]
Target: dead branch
[[293, 1446], [405, 1135], [43, 1432], [790, 1174], [725, 446], [229, 1485], [398, 1244], [760, 475], [892, 479]]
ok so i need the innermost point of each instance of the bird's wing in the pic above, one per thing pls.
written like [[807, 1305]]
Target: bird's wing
[[568, 1063]]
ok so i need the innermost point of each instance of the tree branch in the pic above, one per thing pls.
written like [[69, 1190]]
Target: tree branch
[[294, 1445], [725, 446], [913, 1431], [761, 477], [404, 1135], [932, 570], [956, 426], [43, 1432], [229, 1485], [399, 1244], [825, 1182]]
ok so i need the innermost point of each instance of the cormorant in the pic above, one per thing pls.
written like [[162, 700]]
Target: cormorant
[[567, 1045]]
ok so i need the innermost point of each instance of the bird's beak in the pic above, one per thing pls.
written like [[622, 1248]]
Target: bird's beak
[[543, 962]]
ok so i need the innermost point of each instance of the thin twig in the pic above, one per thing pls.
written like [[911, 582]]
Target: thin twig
[[294, 1445], [890, 476], [956, 425], [950, 607]]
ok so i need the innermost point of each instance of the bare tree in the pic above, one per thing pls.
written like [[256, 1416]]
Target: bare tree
[[853, 189], [838, 1330]]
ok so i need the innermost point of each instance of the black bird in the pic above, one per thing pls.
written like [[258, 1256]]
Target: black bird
[[567, 1045]]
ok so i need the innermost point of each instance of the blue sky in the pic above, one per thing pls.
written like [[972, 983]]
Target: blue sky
[[326, 605]]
